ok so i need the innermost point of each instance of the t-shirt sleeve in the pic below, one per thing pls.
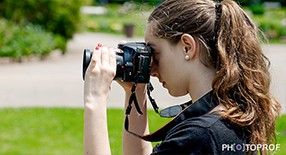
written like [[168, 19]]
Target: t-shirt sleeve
[[187, 140]]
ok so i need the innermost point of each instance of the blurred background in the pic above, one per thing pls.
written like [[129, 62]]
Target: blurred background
[[41, 86]]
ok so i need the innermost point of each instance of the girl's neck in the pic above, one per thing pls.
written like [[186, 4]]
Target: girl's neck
[[202, 83]]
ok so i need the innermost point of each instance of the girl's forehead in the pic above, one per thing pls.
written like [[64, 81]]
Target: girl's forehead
[[148, 35], [151, 39]]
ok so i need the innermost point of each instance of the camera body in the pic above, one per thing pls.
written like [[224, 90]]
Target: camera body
[[133, 63]]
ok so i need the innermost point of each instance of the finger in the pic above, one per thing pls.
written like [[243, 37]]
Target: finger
[[104, 56], [112, 59], [96, 56]]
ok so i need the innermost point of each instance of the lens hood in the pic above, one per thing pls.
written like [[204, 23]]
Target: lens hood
[[87, 54]]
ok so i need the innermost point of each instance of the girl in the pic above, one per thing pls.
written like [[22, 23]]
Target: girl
[[209, 50]]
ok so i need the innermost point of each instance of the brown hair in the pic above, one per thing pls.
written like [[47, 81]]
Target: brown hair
[[242, 81]]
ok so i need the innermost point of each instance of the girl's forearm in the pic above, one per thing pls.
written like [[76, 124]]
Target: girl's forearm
[[95, 126], [138, 124]]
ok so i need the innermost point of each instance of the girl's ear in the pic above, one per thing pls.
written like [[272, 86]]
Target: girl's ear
[[189, 45]]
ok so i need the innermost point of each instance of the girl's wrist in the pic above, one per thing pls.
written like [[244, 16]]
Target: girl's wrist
[[140, 89], [141, 95], [91, 99]]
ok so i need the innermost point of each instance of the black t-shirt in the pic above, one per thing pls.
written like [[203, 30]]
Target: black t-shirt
[[203, 133]]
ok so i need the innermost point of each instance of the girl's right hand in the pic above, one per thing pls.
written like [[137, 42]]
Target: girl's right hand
[[127, 86]]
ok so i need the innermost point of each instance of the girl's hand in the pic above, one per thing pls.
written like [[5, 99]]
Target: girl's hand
[[98, 78], [127, 86], [100, 72]]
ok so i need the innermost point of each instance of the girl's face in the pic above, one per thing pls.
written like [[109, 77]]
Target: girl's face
[[168, 64]]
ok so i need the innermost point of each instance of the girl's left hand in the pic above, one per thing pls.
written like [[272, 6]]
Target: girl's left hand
[[100, 72]]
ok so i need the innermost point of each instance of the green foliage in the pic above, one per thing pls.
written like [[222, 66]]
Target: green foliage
[[150, 2], [22, 41], [250, 2], [257, 9], [273, 24], [60, 17], [272, 30]]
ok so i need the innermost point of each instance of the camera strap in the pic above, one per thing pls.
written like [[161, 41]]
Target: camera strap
[[131, 99], [150, 88], [200, 107], [167, 113]]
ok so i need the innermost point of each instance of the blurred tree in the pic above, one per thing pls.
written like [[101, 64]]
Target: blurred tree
[[60, 17], [151, 2], [102, 1]]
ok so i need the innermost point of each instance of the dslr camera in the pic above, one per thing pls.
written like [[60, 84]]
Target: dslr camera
[[133, 62]]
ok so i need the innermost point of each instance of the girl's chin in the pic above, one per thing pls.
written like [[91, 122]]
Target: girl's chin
[[175, 93]]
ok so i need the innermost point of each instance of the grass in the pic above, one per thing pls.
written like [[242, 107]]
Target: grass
[[53, 131], [41, 131]]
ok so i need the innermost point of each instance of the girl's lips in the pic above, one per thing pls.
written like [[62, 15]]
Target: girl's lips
[[163, 82]]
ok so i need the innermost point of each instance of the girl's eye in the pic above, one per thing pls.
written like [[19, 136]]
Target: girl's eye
[[154, 54]]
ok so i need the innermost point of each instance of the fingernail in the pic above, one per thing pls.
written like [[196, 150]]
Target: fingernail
[[96, 48], [99, 45]]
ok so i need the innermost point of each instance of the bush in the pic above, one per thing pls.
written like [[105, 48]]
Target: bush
[[18, 42], [151, 2], [257, 9], [251, 2], [272, 30], [60, 17]]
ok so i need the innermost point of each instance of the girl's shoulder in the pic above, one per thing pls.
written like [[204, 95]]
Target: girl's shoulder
[[205, 134], [211, 125]]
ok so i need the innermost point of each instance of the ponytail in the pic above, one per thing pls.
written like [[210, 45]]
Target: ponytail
[[243, 80]]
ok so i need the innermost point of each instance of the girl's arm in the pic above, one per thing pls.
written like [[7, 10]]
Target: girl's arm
[[95, 126], [99, 76], [138, 124]]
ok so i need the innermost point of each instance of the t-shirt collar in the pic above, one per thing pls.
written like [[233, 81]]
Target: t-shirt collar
[[202, 106]]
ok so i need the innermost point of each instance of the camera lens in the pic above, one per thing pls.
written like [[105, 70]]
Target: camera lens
[[87, 54], [119, 66]]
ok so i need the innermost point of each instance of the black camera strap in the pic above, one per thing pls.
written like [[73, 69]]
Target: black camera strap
[[168, 112], [133, 99], [200, 107], [150, 88]]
